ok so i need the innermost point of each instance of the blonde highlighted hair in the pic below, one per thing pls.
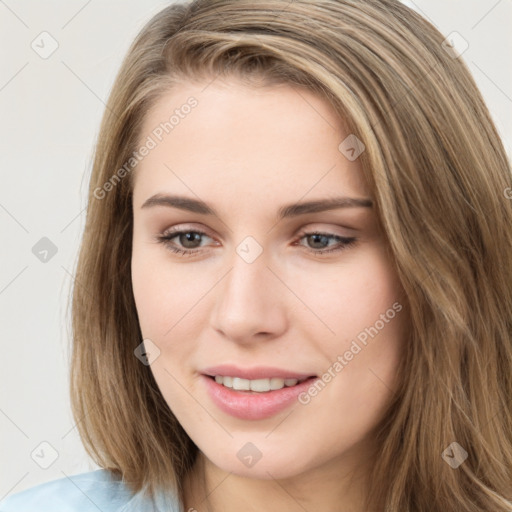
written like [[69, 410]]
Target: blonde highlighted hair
[[438, 174]]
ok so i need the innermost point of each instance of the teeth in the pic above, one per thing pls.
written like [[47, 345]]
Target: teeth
[[258, 385]]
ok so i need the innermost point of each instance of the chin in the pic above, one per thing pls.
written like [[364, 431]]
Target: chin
[[266, 463]]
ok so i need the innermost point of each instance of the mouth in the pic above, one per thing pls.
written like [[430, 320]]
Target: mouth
[[257, 386], [255, 399]]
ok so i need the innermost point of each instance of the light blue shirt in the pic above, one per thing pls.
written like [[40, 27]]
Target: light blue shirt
[[94, 491]]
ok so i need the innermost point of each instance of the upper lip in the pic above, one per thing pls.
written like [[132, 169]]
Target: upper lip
[[256, 372]]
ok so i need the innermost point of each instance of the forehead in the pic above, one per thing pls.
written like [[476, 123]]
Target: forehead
[[228, 139]]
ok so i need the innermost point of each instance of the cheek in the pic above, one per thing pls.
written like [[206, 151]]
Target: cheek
[[351, 297], [152, 303], [146, 293], [164, 299], [164, 295], [360, 305]]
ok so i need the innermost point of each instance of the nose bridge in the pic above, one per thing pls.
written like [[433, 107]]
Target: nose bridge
[[247, 302]]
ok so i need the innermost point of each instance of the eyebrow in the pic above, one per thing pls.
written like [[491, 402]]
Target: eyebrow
[[286, 211]]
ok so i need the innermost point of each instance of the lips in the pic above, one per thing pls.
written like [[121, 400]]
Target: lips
[[257, 372], [251, 405]]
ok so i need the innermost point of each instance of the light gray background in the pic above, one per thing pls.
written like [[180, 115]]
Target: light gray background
[[50, 114]]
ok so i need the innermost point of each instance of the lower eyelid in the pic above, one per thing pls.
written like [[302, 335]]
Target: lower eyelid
[[166, 236], [342, 242]]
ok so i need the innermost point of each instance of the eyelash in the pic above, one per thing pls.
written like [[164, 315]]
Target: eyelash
[[166, 240]]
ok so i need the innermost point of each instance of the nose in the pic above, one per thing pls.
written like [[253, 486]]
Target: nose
[[250, 302]]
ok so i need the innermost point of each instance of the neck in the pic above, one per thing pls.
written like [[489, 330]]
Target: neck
[[334, 487]]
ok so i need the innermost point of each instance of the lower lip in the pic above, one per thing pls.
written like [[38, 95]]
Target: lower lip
[[252, 405]]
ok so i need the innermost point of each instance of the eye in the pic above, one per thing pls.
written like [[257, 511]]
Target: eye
[[190, 241], [188, 238], [317, 237]]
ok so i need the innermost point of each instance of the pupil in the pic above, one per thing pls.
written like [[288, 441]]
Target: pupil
[[190, 236], [316, 237]]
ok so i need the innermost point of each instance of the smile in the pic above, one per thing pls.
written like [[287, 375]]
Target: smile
[[248, 404], [256, 385]]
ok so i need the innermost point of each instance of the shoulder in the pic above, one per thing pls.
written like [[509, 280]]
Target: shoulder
[[91, 491]]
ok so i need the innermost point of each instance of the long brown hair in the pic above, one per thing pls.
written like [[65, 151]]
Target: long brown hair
[[438, 174]]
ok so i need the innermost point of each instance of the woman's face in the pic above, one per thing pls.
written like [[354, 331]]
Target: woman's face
[[251, 300]]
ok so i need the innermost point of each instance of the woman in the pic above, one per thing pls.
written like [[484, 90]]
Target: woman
[[295, 273]]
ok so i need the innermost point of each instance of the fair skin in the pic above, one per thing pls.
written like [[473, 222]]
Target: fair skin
[[247, 151]]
